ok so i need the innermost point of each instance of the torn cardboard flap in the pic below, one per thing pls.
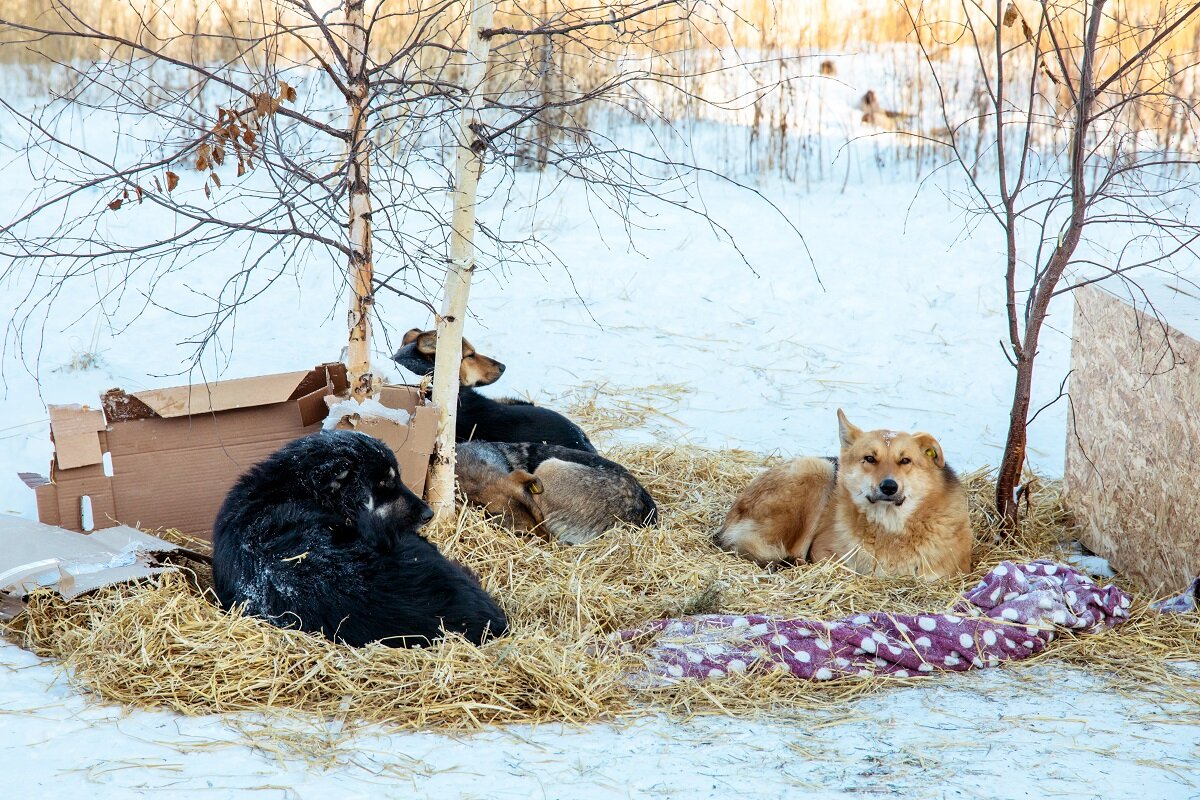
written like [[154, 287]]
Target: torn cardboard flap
[[184, 401], [76, 432], [33, 555]]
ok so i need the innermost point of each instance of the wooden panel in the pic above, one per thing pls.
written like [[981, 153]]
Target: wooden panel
[[1133, 435]]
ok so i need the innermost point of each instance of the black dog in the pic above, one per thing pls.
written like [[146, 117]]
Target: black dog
[[481, 418], [322, 536]]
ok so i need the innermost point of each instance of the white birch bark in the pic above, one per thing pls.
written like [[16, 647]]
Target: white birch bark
[[461, 267], [358, 354]]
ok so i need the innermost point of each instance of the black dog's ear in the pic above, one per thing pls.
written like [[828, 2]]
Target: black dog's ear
[[427, 343], [329, 478]]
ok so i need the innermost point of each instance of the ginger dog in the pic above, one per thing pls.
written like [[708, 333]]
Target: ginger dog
[[888, 506]]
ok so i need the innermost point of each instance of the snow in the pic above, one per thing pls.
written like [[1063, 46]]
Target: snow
[[367, 409], [895, 317], [992, 734]]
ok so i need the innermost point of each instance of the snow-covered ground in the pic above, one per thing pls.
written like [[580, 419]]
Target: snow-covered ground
[[896, 318], [1036, 732]]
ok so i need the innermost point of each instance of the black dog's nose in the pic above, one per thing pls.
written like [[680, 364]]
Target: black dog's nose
[[426, 513], [888, 486]]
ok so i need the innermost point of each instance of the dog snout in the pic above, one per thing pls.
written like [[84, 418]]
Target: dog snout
[[424, 514], [500, 367], [889, 487]]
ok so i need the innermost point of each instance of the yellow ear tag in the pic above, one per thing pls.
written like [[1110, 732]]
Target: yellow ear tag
[[931, 452], [535, 487]]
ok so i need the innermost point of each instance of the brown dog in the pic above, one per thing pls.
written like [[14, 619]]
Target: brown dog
[[888, 506]]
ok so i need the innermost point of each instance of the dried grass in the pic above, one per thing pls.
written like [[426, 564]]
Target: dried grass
[[165, 644]]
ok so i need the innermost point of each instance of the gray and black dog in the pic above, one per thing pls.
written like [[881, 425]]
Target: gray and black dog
[[569, 495], [323, 536]]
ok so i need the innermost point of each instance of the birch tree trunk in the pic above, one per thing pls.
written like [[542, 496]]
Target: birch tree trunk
[[461, 267], [362, 265]]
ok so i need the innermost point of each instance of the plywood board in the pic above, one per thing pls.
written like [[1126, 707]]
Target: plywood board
[[1131, 474]]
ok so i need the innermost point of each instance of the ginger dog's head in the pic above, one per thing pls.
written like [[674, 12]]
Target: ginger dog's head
[[513, 497], [419, 348], [889, 473]]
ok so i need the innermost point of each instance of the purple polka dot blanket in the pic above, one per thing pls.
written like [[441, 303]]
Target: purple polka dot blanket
[[1015, 612]]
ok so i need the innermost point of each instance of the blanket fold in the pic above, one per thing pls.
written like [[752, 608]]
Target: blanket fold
[[1014, 612]]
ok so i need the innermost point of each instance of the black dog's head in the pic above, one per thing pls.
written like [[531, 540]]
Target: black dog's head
[[347, 473], [417, 355]]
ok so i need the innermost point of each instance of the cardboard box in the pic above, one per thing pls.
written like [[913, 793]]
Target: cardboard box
[[166, 458], [1130, 477]]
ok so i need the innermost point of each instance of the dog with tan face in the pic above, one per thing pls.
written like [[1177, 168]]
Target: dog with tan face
[[482, 418], [887, 506]]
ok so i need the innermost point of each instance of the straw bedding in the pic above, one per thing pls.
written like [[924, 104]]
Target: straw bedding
[[164, 643]]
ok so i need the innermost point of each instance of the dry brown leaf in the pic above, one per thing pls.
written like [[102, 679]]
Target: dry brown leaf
[[286, 92], [115, 204], [172, 181], [264, 104], [1010, 15], [216, 179]]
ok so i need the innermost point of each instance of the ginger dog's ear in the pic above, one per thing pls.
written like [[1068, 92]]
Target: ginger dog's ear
[[411, 336], [846, 430], [531, 487], [532, 484], [930, 448]]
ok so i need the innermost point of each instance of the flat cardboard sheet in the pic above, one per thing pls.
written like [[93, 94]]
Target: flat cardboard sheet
[[33, 555]]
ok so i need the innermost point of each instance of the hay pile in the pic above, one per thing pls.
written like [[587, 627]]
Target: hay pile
[[165, 644]]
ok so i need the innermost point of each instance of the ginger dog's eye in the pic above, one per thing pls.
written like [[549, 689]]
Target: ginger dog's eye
[[906, 460], [869, 459]]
